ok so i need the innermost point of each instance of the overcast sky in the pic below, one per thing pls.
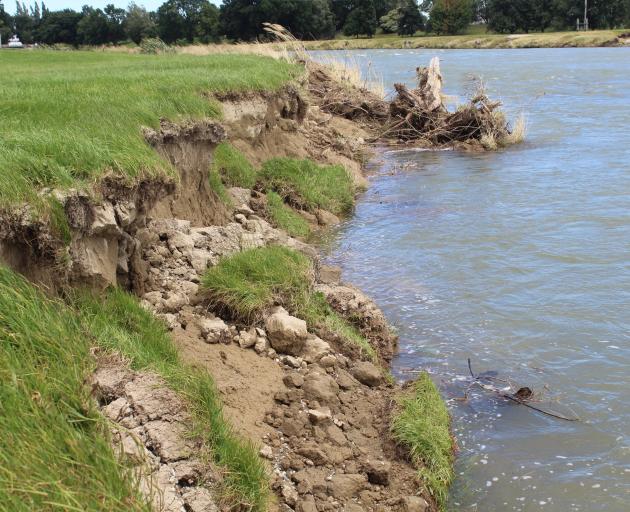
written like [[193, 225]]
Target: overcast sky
[[56, 5]]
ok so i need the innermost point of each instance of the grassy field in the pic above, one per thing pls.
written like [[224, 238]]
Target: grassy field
[[54, 448], [70, 117], [593, 38]]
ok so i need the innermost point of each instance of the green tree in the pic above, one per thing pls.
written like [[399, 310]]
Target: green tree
[[92, 28], [5, 24], [186, 20], [138, 24], [60, 27], [240, 19], [361, 20], [115, 23], [410, 19], [389, 22], [450, 16]]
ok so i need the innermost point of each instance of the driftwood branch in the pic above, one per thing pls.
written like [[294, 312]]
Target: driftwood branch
[[521, 397]]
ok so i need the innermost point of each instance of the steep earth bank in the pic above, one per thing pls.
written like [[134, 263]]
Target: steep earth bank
[[318, 408]]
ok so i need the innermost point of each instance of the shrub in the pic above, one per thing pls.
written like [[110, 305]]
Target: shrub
[[154, 46]]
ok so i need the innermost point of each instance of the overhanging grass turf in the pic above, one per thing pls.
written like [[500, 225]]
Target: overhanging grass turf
[[70, 117]]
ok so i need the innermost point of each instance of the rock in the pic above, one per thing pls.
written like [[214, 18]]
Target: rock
[[314, 349], [320, 415], [307, 504], [293, 380], [175, 301], [171, 320], [293, 362], [353, 507], [266, 452], [317, 456], [104, 220], [336, 435], [169, 440], [262, 345], [287, 334], [320, 387], [328, 361], [329, 274], [346, 486], [414, 504], [215, 330], [126, 213], [289, 494], [345, 380], [247, 339], [367, 373], [378, 471], [199, 499], [325, 218]]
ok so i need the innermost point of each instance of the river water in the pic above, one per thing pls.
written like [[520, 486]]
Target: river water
[[519, 260]]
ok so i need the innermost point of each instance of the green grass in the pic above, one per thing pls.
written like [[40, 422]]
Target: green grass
[[248, 283], [70, 117], [284, 217], [233, 166], [120, 324], [307, 186], [422, 425], [474, 39], [54, 449]]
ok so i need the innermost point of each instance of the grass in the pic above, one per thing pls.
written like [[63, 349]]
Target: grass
[[422, 424], [308, 186], [233, 166], [68, 118], [248, 283], [120, 324], [284, 217], [591, 38], [216, 184], [54, 448]]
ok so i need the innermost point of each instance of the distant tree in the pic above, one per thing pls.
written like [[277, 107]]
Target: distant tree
[[361, 20], [5, 23], [241, 19], [410, 19], [208, 24], [389, 22], [450, 16], [341, 9], [60, 27], [25, 25], [138, 24], [115, 23], [182, 20], [92, 28]]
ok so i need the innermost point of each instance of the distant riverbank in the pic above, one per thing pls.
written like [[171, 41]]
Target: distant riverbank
[[593, 38]]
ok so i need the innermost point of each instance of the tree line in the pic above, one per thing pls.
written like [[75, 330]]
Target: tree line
[[189, 21]]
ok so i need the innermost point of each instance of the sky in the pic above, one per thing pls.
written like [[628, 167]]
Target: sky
[[56, 5]]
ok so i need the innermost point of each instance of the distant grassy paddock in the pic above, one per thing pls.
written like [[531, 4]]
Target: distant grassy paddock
[[70, 117], [592, 38]]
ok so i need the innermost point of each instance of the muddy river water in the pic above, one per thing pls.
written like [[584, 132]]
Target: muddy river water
[[519, 260]]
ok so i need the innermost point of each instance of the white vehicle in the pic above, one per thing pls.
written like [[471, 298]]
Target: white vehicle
[[14, 42]]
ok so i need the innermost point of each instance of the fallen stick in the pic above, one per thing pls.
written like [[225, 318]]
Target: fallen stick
[[520, 397]]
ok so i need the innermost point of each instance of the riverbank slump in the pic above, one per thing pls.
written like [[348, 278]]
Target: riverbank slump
[[299, 358]]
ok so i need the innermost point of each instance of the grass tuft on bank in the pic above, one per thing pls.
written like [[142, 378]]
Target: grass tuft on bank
[[422, 424], [119, 324], [54, 448], [246, 284], [284, 217], [306, 185], [68, 118], [233, 166]]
